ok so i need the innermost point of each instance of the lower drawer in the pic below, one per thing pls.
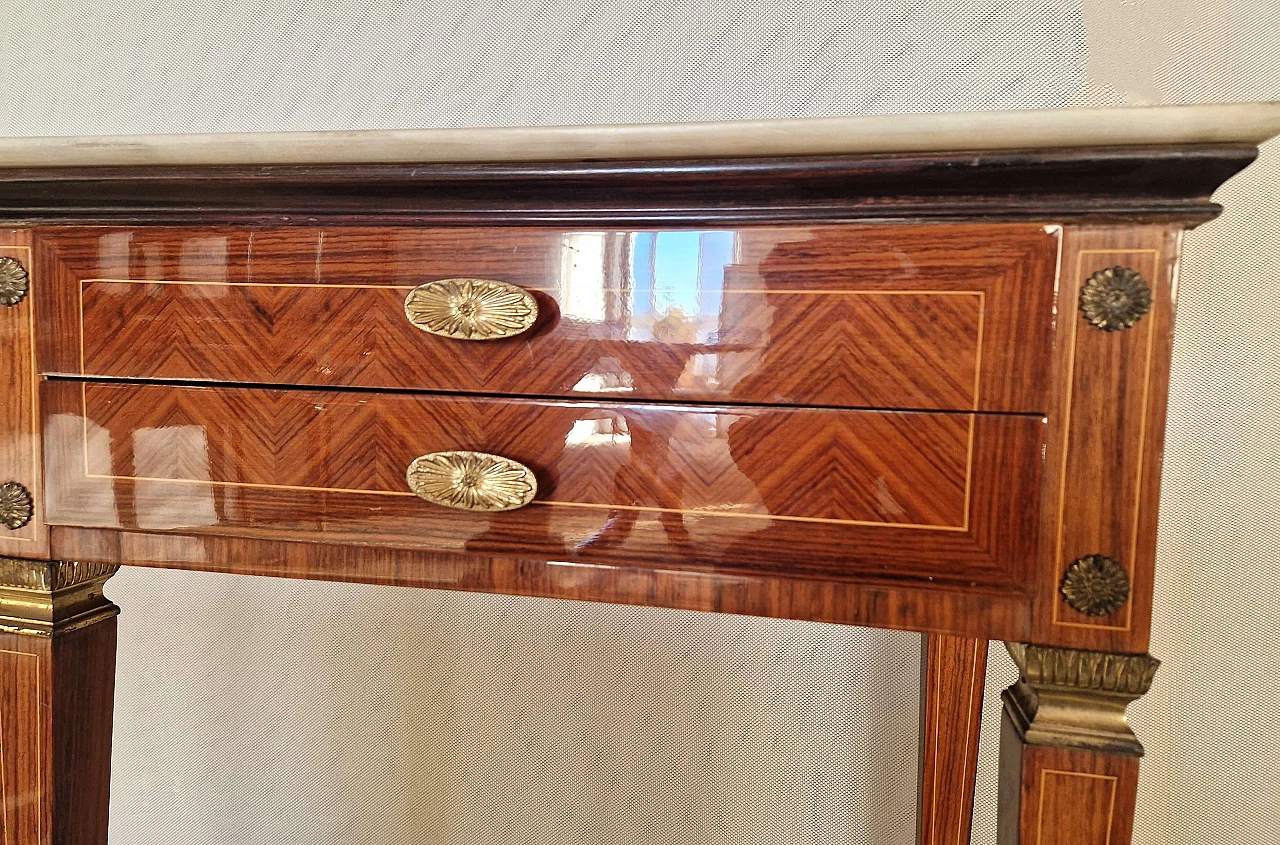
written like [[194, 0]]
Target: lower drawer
[[899, 495]]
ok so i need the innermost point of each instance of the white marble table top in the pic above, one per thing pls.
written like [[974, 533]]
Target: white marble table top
[[928, 132]]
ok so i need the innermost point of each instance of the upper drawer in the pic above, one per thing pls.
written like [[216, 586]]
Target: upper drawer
[[934, 316]]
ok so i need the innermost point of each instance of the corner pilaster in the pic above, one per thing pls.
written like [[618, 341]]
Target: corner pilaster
[[57, 684]]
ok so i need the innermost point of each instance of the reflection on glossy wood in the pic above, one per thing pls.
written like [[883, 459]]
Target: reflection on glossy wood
[[954, 522], [943, 317], [882, 494], [776, 593], [1106, 438], [19, 414]]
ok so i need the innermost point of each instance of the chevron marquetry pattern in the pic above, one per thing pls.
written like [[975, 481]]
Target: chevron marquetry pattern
[[825, 489], [762, 320], [827, 464], [877, 493], [844, 349], [849, 316]]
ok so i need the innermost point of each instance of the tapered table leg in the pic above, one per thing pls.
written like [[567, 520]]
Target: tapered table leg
[[1068, 759], [953, 677], [57, 678]]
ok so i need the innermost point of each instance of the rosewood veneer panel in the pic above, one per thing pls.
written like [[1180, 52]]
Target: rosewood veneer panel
[[943, 317], [1105, 438], [834, 493]]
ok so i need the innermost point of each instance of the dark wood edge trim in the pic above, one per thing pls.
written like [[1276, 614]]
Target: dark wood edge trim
[[1167, 183], [1066, 210], [968, 613]]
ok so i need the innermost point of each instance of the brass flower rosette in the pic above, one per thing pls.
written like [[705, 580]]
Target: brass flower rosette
[[1115, 298]]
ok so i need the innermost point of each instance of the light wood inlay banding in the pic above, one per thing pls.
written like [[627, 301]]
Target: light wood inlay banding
[[1088, 783]]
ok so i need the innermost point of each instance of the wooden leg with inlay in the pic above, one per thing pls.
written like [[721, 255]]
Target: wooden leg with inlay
[[1068, 759], [57, 679], [953, 676]]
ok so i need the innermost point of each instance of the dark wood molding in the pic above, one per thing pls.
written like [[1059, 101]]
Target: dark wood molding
[[1150, 183]]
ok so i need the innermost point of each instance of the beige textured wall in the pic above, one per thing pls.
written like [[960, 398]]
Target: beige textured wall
[[1210, 774], [263, 711]]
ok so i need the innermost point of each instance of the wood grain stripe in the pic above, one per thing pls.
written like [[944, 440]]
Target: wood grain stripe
[[952, 686], [20, 458]]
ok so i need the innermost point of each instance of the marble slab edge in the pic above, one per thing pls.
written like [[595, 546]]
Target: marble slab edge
[[1229, 123]]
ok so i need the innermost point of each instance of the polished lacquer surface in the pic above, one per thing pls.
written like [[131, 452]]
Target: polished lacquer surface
[[881, 494], [939, 317], [903, 405], [649, 491], [711, 390]]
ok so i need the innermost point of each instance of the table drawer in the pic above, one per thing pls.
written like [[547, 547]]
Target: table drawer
[[940, 317], [946, 496]]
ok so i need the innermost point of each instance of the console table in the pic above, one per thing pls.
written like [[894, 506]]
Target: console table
[[906, 372]]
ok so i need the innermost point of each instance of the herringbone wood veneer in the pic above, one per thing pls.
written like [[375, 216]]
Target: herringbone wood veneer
[[944, 317], [893, 494]]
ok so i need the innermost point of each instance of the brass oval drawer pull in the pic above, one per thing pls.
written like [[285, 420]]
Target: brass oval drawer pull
[[472, 481], [471, 309]]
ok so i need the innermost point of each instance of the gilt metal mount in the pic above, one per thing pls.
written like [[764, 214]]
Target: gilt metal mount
[[45, 598], [471, 309], [472, 481], [1095, 585], [14, 282], [16, 506], [1115, 298], [1070, 698]]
